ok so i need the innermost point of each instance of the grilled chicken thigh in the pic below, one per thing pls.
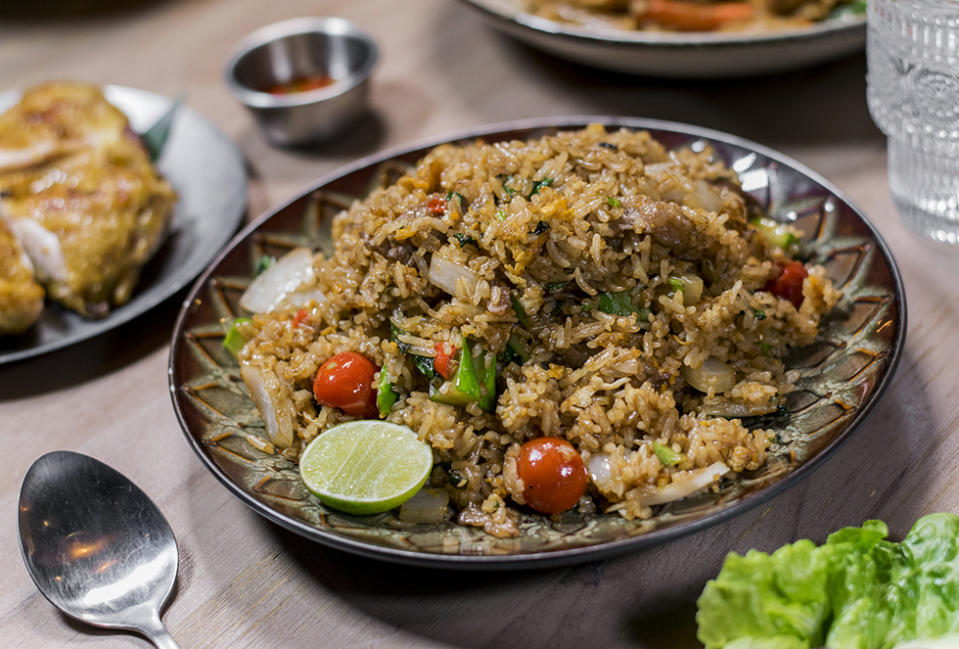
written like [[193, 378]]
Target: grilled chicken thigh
[[21, 298], [81, 196]]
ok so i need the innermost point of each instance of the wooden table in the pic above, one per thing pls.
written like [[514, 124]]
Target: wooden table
[[244, 582]]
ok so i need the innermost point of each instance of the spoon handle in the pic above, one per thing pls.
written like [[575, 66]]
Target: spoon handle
[[155, 632]]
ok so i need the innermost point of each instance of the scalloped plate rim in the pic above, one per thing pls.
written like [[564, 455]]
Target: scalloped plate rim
[[575, 554]]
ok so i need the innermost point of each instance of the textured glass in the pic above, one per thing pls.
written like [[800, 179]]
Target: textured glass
[[913, 88]]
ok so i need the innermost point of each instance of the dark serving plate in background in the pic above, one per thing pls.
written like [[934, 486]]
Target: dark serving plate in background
[[842, 374], [206, 170]]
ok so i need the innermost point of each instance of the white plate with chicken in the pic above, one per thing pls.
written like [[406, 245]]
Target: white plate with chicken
[[685, 38], [93, 231]]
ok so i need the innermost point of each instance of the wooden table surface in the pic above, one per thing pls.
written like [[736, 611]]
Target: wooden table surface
[[244, 582]]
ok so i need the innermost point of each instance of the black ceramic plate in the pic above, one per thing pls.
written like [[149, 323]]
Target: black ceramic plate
[[206, 170], [842, 374]]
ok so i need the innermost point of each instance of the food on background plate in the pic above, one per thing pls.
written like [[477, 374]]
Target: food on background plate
[[301, 84], [21, 298], [856, 591], [576, 321], [694, 15], [79, 192]]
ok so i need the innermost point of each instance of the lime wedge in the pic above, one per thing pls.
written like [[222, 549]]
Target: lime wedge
[[366, 467]]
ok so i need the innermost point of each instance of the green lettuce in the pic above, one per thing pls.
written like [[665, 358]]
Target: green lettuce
[[856, 591]]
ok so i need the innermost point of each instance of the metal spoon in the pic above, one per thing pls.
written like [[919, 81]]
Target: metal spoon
[[96, 546]]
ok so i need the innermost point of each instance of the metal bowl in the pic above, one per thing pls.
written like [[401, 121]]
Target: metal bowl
[[295, 49]]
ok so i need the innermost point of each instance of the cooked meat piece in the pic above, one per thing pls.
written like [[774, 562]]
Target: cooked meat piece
[[89, 217], [499, 300], [665, 222], [21, 298], [56, 119]]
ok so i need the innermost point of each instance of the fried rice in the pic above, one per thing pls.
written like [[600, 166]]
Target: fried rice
[[624, 294]]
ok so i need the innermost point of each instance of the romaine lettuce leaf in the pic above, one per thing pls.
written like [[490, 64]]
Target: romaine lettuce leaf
[[856, 591]]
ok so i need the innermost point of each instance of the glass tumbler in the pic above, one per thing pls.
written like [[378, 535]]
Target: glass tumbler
[[913, 92]]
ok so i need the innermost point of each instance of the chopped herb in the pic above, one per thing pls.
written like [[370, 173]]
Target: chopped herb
[[501, 215], [541, 227], [765, 349], [586, 308], [569, 271], [777, 234], [556, 286], [857, 8], [395, 332], [264, 262], [540, 184], [233, 341], [617, 303], [456, 478], [508, 190], [759, 314], [385, 395], [465, 240], [516, 348], [609, 145], [450, 195], [425, 365], [676, 284], [519, 311], [614, 202], [782, 410], [666, 455]]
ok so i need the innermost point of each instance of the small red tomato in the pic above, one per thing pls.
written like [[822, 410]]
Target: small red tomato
[[553, 474], [788, 283], [441, 362], [345, 381], [299, 318], [436, 204]]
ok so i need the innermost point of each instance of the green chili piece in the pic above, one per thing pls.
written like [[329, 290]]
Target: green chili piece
[[385, 395], [666, 455], [519, 311], [233, 341], [465, 379]]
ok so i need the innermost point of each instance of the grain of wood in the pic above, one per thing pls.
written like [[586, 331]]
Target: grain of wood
[[246, 583]]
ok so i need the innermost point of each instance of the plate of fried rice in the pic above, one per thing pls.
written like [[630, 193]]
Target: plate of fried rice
[[676, 322], [684, 38]]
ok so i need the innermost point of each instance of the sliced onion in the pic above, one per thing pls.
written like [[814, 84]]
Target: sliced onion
[[705, 196], [598, 467], [685, 486], [692, 287], [272, 286], [713, 375], [303, 298], [444, 273], [276, 411], [426, 506]]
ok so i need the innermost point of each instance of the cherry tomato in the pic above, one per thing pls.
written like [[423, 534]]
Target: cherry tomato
[[436, 204], [441, 362], [299, 318], [788, 284], [553, 474], [345, 381]]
